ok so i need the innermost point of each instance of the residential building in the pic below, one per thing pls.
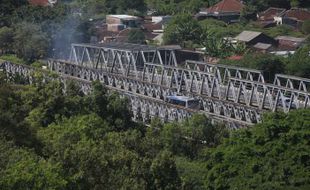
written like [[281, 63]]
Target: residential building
[[226, 10], [251, 38], [288, 43], [295, 17], [263, 47], [153, 28], [270, 17], [118, 23]]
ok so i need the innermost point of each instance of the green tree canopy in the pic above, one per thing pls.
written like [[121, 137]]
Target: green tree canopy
[[30, 42], [306, 27], [6, 39], [298, 64], [272, 155], [23, 169], [182, 28]]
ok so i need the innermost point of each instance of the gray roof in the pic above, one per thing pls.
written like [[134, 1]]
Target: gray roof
[[247, 36], [290, 38], [262, 46], [120, 46]]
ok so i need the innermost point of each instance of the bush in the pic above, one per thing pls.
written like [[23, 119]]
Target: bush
[[306, 27], [12, 58]]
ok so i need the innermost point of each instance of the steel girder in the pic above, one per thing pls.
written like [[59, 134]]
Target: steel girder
[[117, 59], [212, 106], [143, 107], [292, 82]]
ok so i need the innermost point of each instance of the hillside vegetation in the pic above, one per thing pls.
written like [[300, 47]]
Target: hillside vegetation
[[52, 140]]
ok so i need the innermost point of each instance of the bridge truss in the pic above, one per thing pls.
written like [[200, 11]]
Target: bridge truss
[[146, 75]]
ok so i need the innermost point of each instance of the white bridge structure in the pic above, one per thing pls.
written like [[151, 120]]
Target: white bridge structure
[[147, 75]]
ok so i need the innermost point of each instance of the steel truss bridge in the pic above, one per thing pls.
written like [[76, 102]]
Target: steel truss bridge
[[146, 75]]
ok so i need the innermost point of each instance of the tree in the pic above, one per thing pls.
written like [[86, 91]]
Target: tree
[[271, 155], [295, 3], [182, 28], [173, 7], [306, 27], [136, 36], [6, 39], [7, 8], [269, 64], [164, 171], [190, 137], [23, 169], [47, 104], [298, 64], [12, 114], [121, 6], [30, 42], [215, 47]]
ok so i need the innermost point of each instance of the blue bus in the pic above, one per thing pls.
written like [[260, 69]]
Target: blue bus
[[184, 101]]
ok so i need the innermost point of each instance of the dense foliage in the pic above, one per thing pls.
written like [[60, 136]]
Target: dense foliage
[[272, 155], [56, 140], [296, 64]]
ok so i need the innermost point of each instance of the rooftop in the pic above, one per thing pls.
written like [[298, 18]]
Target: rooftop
[[128, 46], [290, 38], [270, 13], [226, 6], [298, 14], [123, 16], [119, 46], [42, 2], [262, 46], [247, 36]]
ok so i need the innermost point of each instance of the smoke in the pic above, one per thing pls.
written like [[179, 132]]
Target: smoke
[[72, 30]]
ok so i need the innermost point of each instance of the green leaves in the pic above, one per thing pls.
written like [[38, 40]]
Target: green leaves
[[242, 162], [53, 140], [182, 28], [30, 42], [23, 169]]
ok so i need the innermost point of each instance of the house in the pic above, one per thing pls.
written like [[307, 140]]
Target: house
[[42, 2], [288, 43], [262, 47], [226, 10], [295, 17], [251, 38], [153, 28], [161, 19], [270, 17], [118, 23]]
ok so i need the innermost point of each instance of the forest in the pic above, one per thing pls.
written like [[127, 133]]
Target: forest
[[56, 140], [51, 139]]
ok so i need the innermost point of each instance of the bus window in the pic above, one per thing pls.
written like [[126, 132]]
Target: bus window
[[184, 101], [193, 104]]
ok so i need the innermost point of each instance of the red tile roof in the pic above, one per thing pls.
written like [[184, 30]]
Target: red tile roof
[[298, 14], [226, 6], [42, 2], [270, 13]]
